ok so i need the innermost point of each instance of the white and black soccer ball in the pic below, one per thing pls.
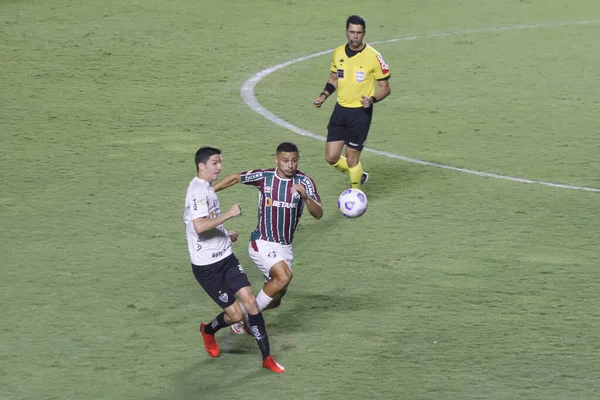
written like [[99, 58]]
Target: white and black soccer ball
[[352, 203]]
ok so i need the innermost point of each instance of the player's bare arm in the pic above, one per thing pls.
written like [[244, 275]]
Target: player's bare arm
[[228, 181], [315, 209], [205, 224], [383, 92], [333, 81]]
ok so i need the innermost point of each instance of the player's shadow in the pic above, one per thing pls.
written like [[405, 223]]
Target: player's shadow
[[209, 379], [299, 310]]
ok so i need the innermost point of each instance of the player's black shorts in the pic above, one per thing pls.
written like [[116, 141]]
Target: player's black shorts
[[350, 125], [222, 280]]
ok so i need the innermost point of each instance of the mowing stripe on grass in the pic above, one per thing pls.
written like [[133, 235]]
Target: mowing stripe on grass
[[247, 93]]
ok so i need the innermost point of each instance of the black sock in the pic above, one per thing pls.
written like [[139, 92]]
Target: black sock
[[216, 324], [258, 330]]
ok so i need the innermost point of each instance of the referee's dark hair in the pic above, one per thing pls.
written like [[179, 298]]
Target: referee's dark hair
[[287, 147], [204, 153], [356, 20]]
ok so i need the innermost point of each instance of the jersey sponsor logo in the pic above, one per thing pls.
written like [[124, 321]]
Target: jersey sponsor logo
[[283, 204], [360, 76], [268, 189], [340, 73], [295, 195], [198, 245], [253, 176], [223, 297], [384, 67], [196, 202], [220, 253]]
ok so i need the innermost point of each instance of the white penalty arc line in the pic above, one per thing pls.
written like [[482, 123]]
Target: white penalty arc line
[[247, 93]]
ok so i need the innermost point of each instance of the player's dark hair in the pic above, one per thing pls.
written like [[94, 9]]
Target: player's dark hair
[[204, 153], [356, 20], [287, 147]]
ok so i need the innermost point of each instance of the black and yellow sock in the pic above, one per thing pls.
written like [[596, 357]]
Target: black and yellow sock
[[355, 174], [342, 165]]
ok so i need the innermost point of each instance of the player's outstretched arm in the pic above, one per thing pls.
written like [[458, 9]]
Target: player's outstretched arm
[[228, 181], [205, 224]]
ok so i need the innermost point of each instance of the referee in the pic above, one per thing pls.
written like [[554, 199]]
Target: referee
[[355, 68]]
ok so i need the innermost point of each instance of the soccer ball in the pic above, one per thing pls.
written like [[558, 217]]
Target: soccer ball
[[352, 203]]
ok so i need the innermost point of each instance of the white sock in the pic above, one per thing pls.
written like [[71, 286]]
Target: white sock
[[244, 311], [263, 300]]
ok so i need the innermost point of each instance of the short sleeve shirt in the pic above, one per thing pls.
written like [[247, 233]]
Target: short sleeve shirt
[[214, 244], [357, 74], [279, 210]]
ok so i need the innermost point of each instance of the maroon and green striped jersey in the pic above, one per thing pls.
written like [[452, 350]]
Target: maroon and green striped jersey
[[278, 209]]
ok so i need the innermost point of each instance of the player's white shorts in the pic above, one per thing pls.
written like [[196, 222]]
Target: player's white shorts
[[266, 254]]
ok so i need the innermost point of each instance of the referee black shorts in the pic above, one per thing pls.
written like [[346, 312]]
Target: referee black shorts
[[350, 125], [222, 280]]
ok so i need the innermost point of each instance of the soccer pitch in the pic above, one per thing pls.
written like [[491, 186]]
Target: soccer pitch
[[452, 286]]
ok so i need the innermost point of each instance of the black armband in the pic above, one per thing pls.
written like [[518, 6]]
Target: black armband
[[373, 99], [329, 88]]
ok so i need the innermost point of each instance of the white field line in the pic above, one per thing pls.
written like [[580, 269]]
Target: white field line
[[247, 93]]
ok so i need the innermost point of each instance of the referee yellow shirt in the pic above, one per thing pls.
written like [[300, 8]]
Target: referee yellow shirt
[[357, 74]]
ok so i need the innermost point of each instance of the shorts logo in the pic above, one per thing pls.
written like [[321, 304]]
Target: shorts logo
[[241, 268], [340, 73], [223, 297], [360, 76], [272, 254]]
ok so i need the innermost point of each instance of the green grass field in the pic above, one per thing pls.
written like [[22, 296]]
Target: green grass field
[[452, 286]]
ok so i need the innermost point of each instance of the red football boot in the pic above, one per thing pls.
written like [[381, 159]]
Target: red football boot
[[271, 364], [210, 344]]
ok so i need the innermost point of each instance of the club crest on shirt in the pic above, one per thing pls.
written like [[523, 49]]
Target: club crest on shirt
[[272, 254], [360, 76], [223, 297]]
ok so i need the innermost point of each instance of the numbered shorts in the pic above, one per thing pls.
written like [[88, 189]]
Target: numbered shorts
[[222, 280], [266, 254]]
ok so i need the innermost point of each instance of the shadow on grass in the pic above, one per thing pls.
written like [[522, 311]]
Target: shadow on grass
[[239, 362]]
